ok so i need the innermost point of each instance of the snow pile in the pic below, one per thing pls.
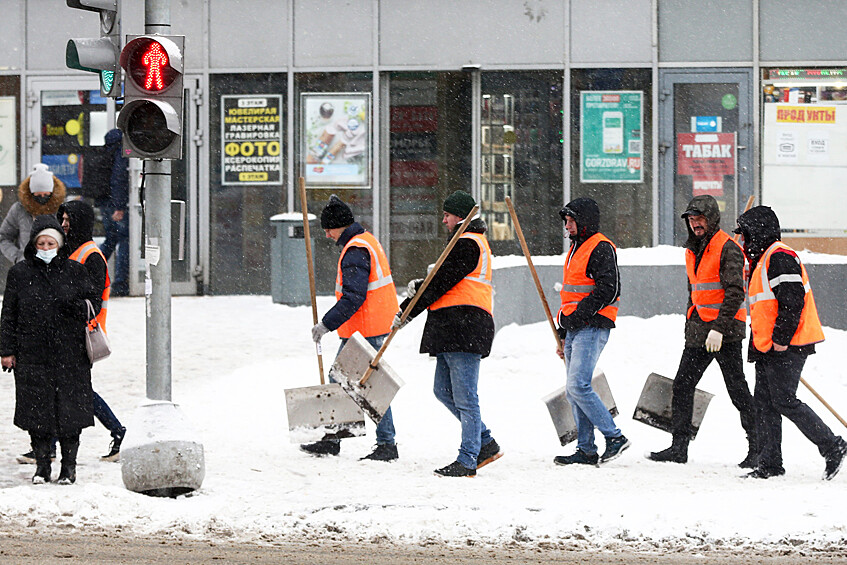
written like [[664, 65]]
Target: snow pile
[[233, 357]]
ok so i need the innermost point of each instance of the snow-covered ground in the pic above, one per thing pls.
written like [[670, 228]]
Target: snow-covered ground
[[233, 357]]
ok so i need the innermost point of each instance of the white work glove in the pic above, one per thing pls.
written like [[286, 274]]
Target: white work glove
[[714, 341], [412, 287], [318, 332], [397, 324]]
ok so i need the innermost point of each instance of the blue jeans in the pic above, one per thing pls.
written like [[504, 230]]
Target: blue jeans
[[456, 379], [582, 350], [385, 428], [117, 240], [103, 413]]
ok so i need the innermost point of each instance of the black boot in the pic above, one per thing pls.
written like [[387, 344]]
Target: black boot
[[41, 447], [67, 474], [676, 453], [752, 459]]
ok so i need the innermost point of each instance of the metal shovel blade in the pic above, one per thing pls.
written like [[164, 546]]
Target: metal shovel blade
[[322, 412], [349, 366], [654, 405], [562, 413]]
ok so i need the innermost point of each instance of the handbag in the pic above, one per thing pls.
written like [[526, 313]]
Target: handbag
[[96, 342]]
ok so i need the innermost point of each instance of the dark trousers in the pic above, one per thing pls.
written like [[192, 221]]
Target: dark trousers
[[777, 378], [693, 364]]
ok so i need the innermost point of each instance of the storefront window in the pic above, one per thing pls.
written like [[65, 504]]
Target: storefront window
[[429, 158], [521, 157], [245, 190], [804, 145], [610, 150]]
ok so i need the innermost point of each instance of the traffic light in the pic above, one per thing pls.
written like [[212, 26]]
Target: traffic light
[[151, 118], [101, 55]]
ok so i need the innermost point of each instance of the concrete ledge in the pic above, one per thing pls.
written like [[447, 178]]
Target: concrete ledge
[[646, 290]]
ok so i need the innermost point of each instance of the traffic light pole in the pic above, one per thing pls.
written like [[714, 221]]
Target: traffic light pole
[[157, 244]]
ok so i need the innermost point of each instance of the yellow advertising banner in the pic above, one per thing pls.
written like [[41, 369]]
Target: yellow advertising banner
[[805, 114]]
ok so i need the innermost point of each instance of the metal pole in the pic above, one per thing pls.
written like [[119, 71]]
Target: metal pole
[[157, 244]]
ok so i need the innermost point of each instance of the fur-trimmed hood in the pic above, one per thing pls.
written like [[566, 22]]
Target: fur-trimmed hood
[[34, 208]]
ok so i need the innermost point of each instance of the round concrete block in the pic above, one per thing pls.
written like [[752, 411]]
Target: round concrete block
[[161, 454]]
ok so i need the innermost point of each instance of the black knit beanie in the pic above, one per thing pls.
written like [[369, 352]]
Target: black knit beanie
[[460, 203], [336, 214]]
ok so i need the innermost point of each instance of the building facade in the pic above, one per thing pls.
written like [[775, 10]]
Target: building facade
[[393, 104]]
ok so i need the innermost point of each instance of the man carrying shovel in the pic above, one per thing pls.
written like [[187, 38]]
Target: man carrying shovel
[[590, 294], [785, 328], [459, 331], [366, 303], [714, 327]]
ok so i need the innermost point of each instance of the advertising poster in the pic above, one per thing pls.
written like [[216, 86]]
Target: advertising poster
[[8, 147], [251, 133], [610, 138], [707, 158], [335, 141]]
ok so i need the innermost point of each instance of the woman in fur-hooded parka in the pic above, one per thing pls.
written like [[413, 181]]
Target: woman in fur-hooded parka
[[16, 226]]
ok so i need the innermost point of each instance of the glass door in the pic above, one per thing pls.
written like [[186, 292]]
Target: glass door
[[706, 141]]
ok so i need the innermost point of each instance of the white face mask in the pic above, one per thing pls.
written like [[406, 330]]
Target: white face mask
[[47, 255]]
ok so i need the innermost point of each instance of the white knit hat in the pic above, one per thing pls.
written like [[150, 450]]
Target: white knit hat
[[41, 179], [54, 233]]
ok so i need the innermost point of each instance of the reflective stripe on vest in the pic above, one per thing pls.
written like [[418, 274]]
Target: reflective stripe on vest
[[475, 289], [81, 255], [375, 315], [764, 307], [707, 293], [576, 284]]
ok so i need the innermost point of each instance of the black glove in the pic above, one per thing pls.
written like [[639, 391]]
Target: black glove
[[8, 369]]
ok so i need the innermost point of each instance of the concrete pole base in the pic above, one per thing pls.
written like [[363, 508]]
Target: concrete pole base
[[161, 455]]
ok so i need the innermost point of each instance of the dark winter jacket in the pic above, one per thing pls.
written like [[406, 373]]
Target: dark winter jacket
[[731, 276], [14, 232], [81, 216], [455, 329], [43, 325], [602, 267], [760, 229], [118, 196], [355, 271]]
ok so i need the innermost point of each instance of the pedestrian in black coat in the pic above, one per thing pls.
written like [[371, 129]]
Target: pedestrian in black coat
[[42, 339]]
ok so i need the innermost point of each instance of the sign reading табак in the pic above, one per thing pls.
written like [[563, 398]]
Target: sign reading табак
[[251, 133], [610, 140]]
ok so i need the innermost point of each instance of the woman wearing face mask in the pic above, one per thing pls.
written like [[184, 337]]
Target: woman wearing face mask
[[42, 340], [40, 193]]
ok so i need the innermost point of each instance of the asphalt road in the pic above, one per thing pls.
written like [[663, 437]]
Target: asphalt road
[[30, 548]]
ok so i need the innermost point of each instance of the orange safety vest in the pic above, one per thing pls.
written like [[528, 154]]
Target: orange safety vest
[[576, 284], [375, 315], [764, 306], [81, 255], [706, 290], [475, 289]]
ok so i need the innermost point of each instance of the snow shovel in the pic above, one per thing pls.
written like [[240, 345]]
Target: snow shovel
[[557, 404], [324, 411], [562, 413], [378, 384], [654, 405]]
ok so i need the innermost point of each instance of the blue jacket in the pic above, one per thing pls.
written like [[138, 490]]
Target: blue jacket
[[119, 182], [355, 270]]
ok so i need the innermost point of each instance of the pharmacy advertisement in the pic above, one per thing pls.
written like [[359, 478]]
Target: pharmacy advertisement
[[252, 139], [335, 140], [610, 138]]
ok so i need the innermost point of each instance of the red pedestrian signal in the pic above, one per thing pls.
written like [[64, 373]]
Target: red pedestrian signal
[[151, 118]]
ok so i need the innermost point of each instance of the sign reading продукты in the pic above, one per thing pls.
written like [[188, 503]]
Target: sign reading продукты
[[251, 133], [610, 142]]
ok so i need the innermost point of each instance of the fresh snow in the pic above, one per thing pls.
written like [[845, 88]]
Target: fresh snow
[[233, 357]]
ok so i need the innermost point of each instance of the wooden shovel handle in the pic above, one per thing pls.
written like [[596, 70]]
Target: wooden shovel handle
[[540, 290], [373, 364], [311, 263], [749, 205], [824, 402]]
